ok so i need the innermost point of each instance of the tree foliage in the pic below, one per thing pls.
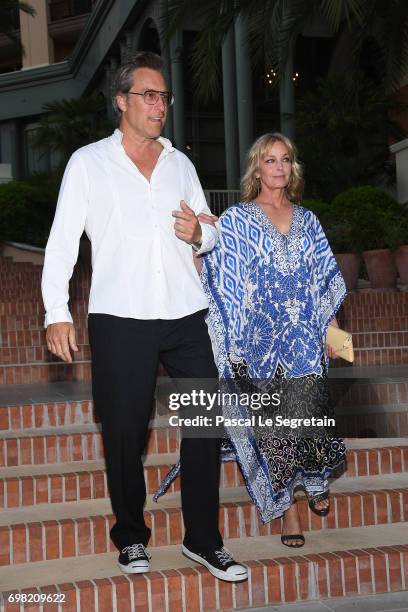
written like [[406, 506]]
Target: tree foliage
[[273, 26], [72, 123], [343, 133]]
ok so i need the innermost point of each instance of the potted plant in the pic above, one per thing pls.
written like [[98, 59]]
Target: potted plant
[[341, 236], [371, 212], [397, 236]]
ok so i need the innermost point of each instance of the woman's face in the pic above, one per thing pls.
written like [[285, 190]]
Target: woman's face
[[275, 168]]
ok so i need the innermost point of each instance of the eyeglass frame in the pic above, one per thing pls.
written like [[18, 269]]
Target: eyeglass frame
[[160, 94]]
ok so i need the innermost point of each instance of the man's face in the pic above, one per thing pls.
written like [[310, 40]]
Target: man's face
[[144, 120]]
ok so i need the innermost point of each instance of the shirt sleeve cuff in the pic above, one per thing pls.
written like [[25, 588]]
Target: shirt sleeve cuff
[[58, 315], [209, 237]]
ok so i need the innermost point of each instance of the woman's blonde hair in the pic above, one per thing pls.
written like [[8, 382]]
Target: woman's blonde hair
[[250, 185]]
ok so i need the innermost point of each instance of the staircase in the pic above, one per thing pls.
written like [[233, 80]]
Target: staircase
[[55, 552]]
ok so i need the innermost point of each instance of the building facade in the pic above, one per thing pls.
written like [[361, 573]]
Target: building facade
[[73, 47]]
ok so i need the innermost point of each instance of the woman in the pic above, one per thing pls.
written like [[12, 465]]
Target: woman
[[274, 287]]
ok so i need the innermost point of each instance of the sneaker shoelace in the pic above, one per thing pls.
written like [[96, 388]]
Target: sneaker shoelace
[[224, 556], [135, 551]]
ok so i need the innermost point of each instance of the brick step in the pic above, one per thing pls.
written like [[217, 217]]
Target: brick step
[[353, 421], [53, 531], [375, 310], [82, 441], [365, 340], [35, 307], [26, 486], [365, 391], [52, 372], [45, 373], [30, 280], [46, 414], [356, 325], [26, 323], [377, 305], [20, 281], [56, 483], [370, 424], [21, 487], [343, 563], [6, 261], [377, 357], [374, 324], [39, 354], [35, 338], [365, 298], [22, 296], [370, 349]]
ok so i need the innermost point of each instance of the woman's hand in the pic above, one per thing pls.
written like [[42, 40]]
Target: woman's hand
[[331, 353], [209, 219]]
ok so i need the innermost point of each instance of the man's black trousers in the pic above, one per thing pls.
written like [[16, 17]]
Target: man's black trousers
[[125, 358]]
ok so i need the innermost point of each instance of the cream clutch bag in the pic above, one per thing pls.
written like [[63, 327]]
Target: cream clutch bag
[[341, 341]]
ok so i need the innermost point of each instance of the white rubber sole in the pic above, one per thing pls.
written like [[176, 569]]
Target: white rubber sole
[[221, 575], [138, 569]]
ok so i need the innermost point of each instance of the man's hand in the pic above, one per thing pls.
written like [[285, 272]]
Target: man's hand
[[186, 226], [60, 339]]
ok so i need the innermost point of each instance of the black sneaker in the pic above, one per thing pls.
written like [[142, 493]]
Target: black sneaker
[[220, 563], [134, 559]]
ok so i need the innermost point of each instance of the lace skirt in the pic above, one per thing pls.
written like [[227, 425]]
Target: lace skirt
[[299, 453]]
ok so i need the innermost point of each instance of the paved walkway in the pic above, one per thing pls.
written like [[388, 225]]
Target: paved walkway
[[387, 602], [78, 390]]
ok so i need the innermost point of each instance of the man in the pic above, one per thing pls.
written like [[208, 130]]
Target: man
[[146, 303]]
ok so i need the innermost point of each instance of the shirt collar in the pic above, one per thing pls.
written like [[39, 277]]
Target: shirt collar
[[117, 137]]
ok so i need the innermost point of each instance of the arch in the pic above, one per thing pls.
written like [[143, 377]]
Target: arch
[[149, 37]]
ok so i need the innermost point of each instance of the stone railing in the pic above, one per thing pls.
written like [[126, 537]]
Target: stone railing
[[400, 149], [5, 173], [219, 199]]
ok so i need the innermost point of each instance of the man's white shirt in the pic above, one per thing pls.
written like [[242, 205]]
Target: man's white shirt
[[140, 269]]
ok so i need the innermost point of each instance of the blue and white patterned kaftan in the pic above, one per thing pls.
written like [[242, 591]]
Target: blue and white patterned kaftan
[[271, 298]]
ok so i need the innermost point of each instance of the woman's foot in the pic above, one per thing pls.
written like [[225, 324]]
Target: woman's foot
[[320, 504], [291, 529]]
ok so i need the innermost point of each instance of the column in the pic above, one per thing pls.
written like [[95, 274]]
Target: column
[[230, 110], [169, 126], [111, 68], [244, 90], [11, 147], [37, 44], [287, 97], [177, 80], [125, 46]]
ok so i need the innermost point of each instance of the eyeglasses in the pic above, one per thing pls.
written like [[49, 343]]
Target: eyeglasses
[[151, 96]]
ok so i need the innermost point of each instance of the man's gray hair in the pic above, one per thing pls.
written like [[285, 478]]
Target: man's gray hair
[[123, 79]]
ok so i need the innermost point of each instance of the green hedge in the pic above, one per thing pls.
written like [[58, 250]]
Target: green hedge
[[369, 217], [27, 210], [361, 219]]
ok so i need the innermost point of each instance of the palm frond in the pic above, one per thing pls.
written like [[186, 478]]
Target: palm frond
[[336, 11], [216, 19]]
